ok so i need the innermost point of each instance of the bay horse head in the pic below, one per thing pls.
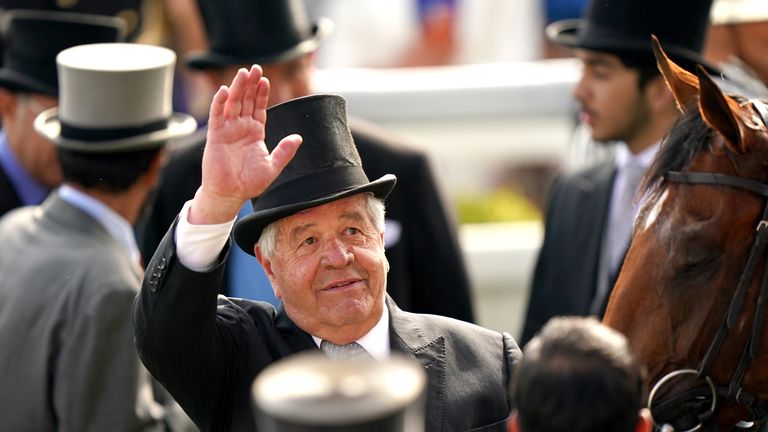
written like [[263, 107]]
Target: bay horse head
[[692, 292]]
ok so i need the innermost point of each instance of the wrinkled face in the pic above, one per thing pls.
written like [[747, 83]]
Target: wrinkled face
[[329, 269], [34, 152], [612, 103]]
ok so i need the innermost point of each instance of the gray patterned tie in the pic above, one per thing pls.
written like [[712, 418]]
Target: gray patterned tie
[[349, 351]]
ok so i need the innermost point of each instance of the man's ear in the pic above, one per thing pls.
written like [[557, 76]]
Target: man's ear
[[644, 421], [659, 96], [8, 101], [267, 265]]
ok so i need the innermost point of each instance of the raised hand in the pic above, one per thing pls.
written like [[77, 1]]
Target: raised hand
[[237, 165]]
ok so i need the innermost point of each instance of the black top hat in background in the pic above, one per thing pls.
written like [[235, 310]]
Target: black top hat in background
[[129, 10], [33, 39], [244, 32], [340, 395], [326, 167], [626, 26]]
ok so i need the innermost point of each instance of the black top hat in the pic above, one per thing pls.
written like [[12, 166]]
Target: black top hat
[[256, 31], [33, 39], [626, 26], [326, 167], [340, 395], [129, 10]]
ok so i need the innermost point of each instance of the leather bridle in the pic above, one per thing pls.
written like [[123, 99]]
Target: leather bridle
[[698, 398]]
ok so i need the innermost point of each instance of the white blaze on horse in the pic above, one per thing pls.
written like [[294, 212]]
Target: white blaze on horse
[[692, 293]]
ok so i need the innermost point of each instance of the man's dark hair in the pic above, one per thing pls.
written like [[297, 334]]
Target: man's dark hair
[[578, 375], [645, 64], [109, 172]]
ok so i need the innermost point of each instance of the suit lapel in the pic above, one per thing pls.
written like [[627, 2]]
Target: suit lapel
[[296, 339], [407, 337]]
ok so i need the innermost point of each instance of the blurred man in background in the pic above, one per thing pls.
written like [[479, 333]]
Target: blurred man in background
[[28, 85], [427, 272]]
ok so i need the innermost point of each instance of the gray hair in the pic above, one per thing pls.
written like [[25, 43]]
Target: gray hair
[[373, 206]]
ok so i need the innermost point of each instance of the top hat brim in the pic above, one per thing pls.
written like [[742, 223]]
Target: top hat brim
[[567, 33], [216, 60], [19, 82], [48, 124], [248, 229]]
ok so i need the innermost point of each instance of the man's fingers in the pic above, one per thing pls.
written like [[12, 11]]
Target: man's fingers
[[262, 95], [284, 152], [249, 99], [236, 92], [217, 106]]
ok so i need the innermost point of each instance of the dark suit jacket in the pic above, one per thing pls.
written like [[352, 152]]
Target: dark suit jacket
[[565, 277], [9, 199], [206, 350], [427, 273]]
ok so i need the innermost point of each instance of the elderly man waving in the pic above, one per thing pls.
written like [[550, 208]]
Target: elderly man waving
[[317, 229]]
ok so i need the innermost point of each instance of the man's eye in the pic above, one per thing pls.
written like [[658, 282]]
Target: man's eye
[[309, 240], [352, 230]]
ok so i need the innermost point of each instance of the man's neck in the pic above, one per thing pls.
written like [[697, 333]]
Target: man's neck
[[653, 133], [128, 204]]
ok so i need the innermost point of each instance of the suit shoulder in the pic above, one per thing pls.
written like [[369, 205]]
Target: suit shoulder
[[373, 139]]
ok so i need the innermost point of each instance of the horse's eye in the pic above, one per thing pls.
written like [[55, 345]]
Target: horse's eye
[[697, 265]]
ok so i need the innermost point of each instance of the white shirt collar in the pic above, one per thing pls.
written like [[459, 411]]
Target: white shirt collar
[[376, 341], [116, 225], [624, 157]]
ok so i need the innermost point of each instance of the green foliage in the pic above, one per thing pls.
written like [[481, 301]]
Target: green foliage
[[500, 205]]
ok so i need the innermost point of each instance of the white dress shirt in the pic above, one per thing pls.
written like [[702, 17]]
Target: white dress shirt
[[613, 249]]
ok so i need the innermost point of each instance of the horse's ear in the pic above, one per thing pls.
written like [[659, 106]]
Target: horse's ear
[[721, 112], [683, 84]]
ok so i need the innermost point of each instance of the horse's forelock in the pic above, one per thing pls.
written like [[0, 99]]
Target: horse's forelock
[[689, 135]]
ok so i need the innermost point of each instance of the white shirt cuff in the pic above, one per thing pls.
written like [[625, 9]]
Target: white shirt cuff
[[199, 246]]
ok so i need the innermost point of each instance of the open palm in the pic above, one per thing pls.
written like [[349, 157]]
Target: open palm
[[237, 165]]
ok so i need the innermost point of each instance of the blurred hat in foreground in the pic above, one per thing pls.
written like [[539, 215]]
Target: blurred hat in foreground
[[312, 392]]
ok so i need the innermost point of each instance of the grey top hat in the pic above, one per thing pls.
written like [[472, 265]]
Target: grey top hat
[[312, 392], [114, 98]]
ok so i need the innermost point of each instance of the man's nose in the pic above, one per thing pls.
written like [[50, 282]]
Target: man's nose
[[580, 90], [336, 254]]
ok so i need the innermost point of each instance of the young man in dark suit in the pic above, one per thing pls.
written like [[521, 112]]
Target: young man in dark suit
[[427, 270], [623, 98], [317, 228]]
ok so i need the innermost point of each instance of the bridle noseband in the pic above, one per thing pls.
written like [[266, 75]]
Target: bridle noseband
[[734, 391]]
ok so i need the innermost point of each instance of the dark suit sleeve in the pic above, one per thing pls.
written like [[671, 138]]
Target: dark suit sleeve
[[188, 345], [440, 284]]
